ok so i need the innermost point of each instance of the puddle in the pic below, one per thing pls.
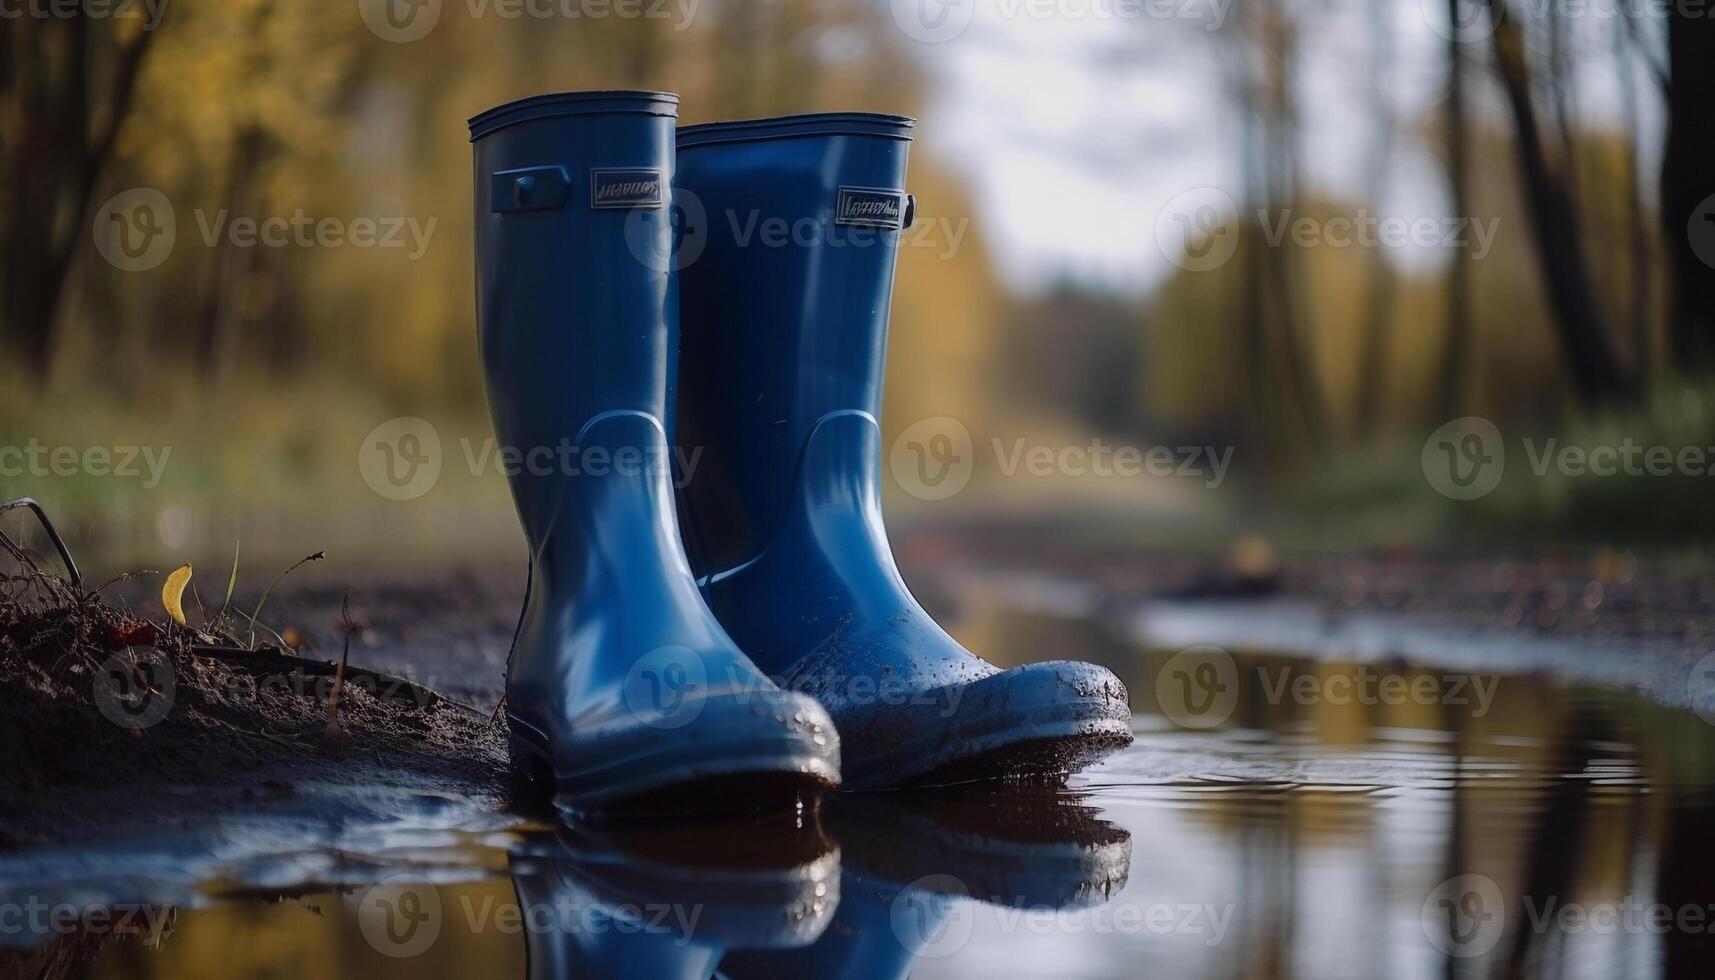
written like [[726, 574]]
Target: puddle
[[1277, 816]]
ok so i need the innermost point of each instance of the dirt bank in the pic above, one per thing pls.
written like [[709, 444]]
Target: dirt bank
[[118, 720]]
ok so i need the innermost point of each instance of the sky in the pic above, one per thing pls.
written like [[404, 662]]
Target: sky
[[1076, 122]]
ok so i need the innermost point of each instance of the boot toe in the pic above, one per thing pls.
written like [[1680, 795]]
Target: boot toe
[[719, 750], [1040, 720]]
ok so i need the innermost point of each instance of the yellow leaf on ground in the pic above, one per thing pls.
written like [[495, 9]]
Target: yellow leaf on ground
[[173, 593]]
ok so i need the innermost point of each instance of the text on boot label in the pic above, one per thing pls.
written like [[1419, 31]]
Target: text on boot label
[[625, 188], [874, 207]]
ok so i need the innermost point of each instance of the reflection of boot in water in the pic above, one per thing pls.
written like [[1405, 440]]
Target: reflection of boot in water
[[662, 902], [913, 865]]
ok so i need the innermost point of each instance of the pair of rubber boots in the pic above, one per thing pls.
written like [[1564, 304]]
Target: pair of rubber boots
[[861, 890], [775, 649]]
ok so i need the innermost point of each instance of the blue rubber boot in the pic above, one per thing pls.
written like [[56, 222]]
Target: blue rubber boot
[[621, 683], [792, 229], [656, 901]]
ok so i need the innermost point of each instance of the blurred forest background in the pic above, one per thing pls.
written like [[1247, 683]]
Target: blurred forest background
[[1591, 319]]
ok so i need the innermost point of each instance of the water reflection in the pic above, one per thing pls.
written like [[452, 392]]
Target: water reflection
[[777, 899], [1330, 824], [1379, 818], [668, 901], [916, 866]]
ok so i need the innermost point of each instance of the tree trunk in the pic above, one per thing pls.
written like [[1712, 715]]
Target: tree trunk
[[51, 172], [1378, 301], [1687, 181], [1597, 374], [1253, 381], [1456, 354], [1300, 382], [1639, 265]]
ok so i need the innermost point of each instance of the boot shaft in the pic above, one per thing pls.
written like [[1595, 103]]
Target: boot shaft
[[575, 304], [784, 308], [576, 309]]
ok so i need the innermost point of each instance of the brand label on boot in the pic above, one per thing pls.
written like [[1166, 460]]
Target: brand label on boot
[[625, 189], [873, 207]]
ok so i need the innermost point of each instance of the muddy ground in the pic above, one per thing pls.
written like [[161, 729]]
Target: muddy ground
[[118, 720], [70, 772], [1589, 594]]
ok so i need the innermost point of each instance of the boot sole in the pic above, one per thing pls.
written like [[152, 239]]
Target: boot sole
[[1043, 721], [765, 782], [1050, 758]]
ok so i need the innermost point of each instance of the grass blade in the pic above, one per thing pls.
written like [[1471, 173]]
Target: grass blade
[[318, 556], [231, 580]]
